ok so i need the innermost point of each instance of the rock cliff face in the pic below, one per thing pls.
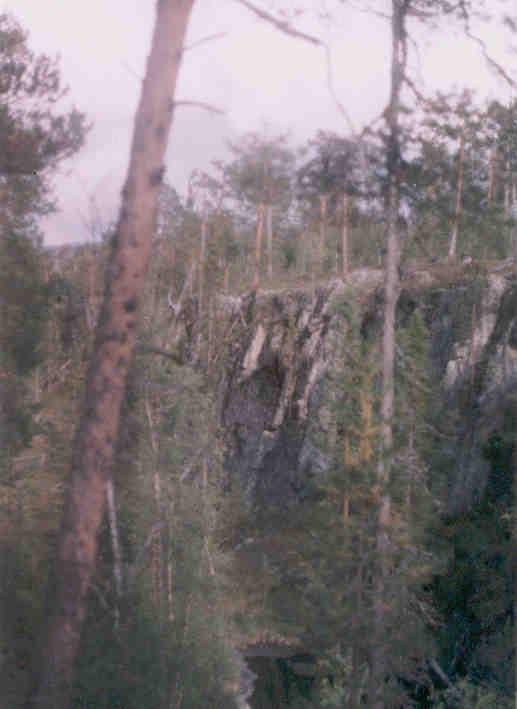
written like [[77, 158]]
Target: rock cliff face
[[280, 345], [278, 348]]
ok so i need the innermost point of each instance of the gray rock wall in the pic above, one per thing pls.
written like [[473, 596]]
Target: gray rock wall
[[281, 344]]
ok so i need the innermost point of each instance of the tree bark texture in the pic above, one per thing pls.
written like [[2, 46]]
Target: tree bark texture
[[106, 381]]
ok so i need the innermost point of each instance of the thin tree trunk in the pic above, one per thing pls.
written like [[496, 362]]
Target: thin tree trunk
[[323, 229], [347, 460], [93, 452], [202, 258], [491, 177], [258, 246], [157, 489], [459, 193], [474, 347], [210, 345], [379, 656], [345, 266], [513, 232], [507, 189], [269, 232]]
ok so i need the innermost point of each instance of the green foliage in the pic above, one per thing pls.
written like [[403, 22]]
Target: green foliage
[[170, 645], [475, 592], [24, 304], [322, 586], [35, 138], [261, 171]]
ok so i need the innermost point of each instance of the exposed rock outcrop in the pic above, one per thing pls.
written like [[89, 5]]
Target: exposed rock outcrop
[[279, 351], [281, 343]]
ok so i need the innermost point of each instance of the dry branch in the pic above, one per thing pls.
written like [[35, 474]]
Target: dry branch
[[280, 24], [198, 104]]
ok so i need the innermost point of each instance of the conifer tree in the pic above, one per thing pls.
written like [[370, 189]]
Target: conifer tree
[[116, 333]]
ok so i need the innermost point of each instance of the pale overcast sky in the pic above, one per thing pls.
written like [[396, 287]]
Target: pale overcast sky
[[255, 74]]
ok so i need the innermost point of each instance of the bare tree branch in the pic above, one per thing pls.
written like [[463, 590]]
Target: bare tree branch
[[199, 104], [489, 60], [332, 91], [279, 24], [204, 40], [462, 10], [370, 11]]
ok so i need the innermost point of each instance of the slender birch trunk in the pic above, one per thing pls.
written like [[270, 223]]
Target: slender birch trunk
[[93, 452], [459, 194]]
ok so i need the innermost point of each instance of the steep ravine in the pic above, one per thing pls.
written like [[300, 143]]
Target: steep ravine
[[280, 344]]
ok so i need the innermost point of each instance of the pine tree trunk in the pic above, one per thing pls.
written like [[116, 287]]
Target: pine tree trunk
[[379, 655], [459, 193], [93, 452]]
